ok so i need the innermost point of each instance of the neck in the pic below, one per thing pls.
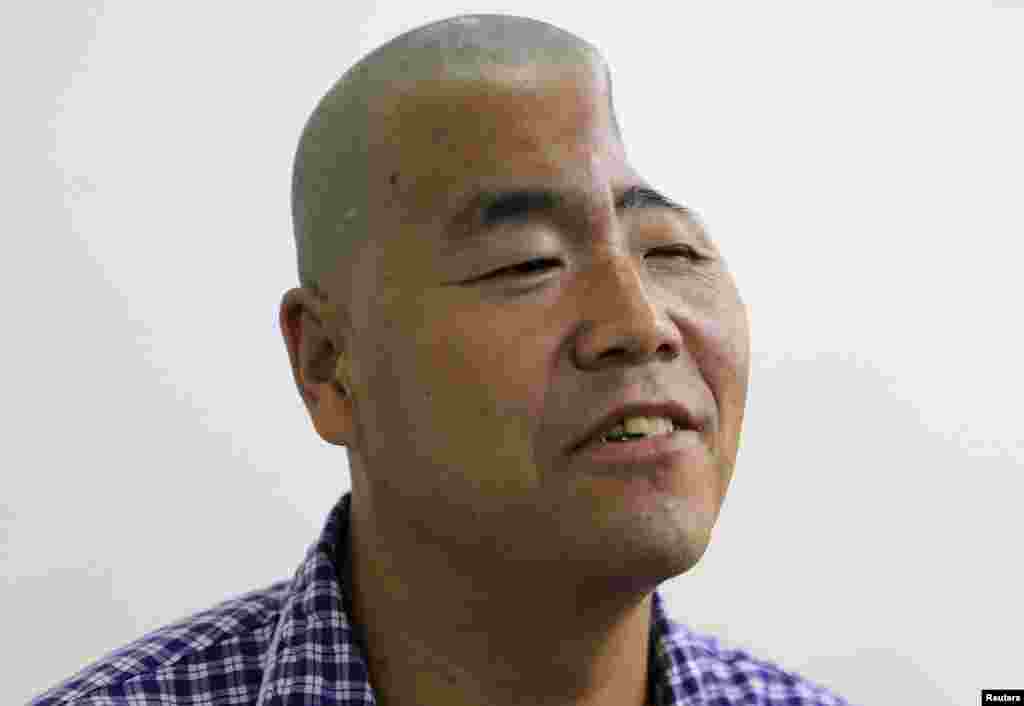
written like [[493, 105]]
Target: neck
[[431, 636]]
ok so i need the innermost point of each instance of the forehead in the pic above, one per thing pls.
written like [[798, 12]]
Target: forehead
[[434, 141]]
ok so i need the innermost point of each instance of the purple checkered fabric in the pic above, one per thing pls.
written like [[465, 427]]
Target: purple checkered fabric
[[292, 643]]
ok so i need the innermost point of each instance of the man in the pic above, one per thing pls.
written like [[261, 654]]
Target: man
[[489, 289]]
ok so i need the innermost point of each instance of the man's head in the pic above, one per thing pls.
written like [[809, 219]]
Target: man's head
[[463, 384]]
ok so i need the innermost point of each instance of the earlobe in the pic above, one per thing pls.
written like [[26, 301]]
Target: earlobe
[[307, 391], [329, 413]]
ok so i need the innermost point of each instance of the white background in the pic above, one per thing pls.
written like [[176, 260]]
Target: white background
[[860, 165]]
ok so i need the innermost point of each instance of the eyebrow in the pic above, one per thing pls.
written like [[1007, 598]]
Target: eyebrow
[[485, 210]]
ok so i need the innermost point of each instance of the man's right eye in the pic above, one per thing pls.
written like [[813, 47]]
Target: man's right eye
[[524, 269]]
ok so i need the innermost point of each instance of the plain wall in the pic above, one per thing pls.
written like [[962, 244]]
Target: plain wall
[[859, 165]]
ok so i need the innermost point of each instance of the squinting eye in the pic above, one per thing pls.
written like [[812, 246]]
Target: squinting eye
[[532, 267], [685, 251], [524, 269]]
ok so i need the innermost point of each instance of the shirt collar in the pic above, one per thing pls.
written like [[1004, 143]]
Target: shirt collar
[[315, 646]]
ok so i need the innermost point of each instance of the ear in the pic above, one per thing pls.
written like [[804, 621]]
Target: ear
[[317, 368]]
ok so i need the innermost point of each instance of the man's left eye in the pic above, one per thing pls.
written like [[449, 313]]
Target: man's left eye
[[685, 251]]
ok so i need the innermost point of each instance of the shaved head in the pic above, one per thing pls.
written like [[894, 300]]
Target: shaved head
[[330, 189]]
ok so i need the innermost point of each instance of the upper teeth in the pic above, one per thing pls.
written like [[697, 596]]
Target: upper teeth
[[642, 425]]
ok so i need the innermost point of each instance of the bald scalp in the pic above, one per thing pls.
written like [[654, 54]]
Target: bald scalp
[[330, 193]]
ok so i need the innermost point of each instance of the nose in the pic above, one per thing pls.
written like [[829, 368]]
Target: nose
[[625, 323]]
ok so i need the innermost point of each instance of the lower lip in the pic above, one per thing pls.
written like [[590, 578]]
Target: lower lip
[[661, 449]]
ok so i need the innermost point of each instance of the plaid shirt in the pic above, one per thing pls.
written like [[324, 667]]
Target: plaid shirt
[[292, 643]]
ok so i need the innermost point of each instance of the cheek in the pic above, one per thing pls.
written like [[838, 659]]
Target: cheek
[[494, 361], [489, 378], [724, 360], [724, 333]]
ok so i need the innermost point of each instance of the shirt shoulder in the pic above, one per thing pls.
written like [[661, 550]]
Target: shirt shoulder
[[699, 669], [206, 657]]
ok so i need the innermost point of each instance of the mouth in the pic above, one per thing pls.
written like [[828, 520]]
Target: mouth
[[656, 449], [635, 423], [619, 435]]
